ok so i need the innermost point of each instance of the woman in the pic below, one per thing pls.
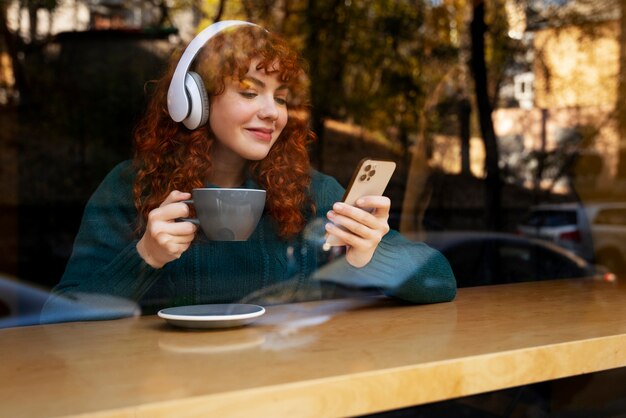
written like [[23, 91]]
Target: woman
[[130, 243]]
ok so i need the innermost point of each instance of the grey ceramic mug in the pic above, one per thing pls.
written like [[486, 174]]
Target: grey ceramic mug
[[227, 214]]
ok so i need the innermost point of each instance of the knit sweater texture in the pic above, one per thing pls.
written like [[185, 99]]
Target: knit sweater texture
[[105, 260]]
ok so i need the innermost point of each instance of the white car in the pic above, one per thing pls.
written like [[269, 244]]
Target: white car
[[595, 231], [608, 230], [564, 224]]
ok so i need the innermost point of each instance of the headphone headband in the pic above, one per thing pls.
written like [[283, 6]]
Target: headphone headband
[[178, 104]]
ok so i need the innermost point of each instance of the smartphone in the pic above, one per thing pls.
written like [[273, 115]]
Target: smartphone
[[370, 178]]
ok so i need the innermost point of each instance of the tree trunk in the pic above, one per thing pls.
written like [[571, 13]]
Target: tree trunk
[[327, 66], [541, 156], [33, 22], [464, 107], [479, 72], [621, 96], [415, 200], [14, 46], [416, 195], [464, 112], [220, 11], [312, 54]]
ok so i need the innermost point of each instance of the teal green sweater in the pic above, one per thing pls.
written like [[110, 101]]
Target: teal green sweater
[[105, 260]]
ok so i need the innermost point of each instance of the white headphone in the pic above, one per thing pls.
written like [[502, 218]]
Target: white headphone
[[187, 99]]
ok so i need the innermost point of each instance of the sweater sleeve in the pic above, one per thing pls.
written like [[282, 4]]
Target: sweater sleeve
[[407, 270], [104, 260]]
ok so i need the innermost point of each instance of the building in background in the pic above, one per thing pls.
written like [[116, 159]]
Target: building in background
[[566, 100]]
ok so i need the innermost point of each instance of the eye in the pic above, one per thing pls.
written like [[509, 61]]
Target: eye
[[281, 100], [248, 94]]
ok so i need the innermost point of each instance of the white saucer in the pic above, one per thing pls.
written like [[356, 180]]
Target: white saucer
[[212, 316]]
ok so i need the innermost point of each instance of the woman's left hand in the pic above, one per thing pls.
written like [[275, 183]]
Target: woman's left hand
[[365, 225]]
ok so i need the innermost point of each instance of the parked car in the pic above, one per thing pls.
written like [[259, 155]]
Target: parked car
[[565, 225], [484, 258], [595, 231], [608, 231], [21, 304]]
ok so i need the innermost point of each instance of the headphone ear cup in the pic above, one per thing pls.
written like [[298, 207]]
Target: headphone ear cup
[[198, 101]]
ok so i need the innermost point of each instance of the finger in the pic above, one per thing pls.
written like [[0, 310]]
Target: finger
[[379, 206], [356, 227], [346, 236], [172, 243], [180, 229], [175, 196], [181, 239], [342, 210], [165, 233], [162, 232], [169, 212]]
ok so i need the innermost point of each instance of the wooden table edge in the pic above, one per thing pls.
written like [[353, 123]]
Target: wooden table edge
[[381, 390]]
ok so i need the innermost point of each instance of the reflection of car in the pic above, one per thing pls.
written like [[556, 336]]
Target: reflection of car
[[21, 304], [595, 231], [608, 229], [482, 258], [564, 224]]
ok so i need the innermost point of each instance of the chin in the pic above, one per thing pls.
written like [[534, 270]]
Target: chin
[[256, 153], [255, 156]]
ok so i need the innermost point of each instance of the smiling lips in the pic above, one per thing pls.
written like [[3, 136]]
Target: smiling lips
[[264, 134]]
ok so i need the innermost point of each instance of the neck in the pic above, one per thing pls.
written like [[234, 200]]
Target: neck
[[229, 169]]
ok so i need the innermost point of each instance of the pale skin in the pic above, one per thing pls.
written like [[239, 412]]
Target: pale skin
[[247, 119]]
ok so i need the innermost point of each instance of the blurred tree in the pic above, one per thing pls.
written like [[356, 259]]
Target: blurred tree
[[33, 7], [367, 58], [592, 19], [378, 64], [394, 67], [12, 44], [621, 93], [493, 186], [15, 45]]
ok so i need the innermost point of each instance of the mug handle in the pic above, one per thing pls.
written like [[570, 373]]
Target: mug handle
[[194, 221]]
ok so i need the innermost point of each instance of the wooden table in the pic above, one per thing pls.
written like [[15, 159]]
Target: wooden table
[[332, 358]]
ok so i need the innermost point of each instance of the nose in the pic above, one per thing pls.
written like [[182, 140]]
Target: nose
[[268, 109]]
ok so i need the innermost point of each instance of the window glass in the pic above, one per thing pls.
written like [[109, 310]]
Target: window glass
[[471, 268], [611, 217], [552, 218]]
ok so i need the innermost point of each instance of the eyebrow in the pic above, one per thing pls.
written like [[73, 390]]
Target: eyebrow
[[260, 83]]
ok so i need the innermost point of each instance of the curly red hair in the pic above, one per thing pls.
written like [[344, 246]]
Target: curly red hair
[[169, 157]]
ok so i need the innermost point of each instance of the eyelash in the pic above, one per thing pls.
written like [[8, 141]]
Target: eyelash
[[252, 95]]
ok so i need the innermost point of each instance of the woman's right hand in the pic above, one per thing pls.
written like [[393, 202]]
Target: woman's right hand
[[165, 239]]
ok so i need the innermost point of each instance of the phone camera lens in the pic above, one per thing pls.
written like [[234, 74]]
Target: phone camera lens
[[363, 177], [368, 168], [371, 173]]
